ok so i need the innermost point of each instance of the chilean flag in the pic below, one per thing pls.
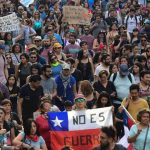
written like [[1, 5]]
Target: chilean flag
[[127, 118], [128, 122], [78, 129]]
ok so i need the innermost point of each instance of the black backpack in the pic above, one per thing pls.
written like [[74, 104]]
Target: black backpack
[[128, 19], [115, 75]]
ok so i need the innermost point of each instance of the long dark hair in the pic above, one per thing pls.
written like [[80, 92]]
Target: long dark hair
[[99, 103], [11, 63], [15, 84], [104, 38], [5, 36], [140, 68], [28, 125], [36, 66], [14, 46], [26, 56]]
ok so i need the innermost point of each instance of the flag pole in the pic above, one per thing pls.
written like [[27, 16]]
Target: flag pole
[[128, 114]]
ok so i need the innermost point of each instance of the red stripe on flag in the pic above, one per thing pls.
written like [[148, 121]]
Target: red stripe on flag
[[78, 140], [130, 147]]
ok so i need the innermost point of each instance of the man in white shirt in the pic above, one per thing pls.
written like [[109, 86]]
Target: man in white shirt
[[131, 21], [104, 65]]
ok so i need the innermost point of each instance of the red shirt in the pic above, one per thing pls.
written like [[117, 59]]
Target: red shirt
[[43, 128]]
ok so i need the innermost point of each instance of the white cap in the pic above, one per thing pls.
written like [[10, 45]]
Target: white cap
[[38, 38], [66, 66]]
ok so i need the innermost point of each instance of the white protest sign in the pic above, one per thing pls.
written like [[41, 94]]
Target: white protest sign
[[9, 23], [26, 3], [90, 119]]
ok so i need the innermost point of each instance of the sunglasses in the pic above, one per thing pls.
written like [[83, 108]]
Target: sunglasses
[[33, 57], [57, 47], [8, 57]]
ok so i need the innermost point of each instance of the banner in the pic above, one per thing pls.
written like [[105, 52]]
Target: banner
[[79, 120], [76, 15], [26, 3], [78, 140], [78, 129], [9, 23]]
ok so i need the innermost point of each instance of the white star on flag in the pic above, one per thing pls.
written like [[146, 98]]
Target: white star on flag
[[57, 122]]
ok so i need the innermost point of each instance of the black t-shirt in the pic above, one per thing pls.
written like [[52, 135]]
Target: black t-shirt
[[78, 76], [13, 97], [31, 100], [117, 147], [111, 20], [110, 88]]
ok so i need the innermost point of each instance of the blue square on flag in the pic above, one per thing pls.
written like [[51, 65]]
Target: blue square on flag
[[58, 121]]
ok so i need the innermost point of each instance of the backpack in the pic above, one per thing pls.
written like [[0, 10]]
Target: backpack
[[115, 75], [128, 19]]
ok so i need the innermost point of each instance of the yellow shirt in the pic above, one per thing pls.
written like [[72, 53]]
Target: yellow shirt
[[135, 106]]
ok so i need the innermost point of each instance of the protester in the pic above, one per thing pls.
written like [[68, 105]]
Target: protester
[[106, 44], [84, 63], [42, 121], [23, 70], [108, 138], [122, 81], [103, 84], [11, 117], [30, 91], [5, 129], [66, 85], [80, 102], [30, 136], [104, 65], [3, 69], [139, 133], [87, 90], [10, 66], [13, 91], [48, 83], [103, 100], [144, 84], [134, 103]]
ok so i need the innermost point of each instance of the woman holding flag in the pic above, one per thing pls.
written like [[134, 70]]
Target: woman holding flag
[[139, 133]]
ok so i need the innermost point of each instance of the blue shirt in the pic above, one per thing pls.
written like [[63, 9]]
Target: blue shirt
[[37, 144], [56, 70], [139, 143], [67, 94], [122, 85]]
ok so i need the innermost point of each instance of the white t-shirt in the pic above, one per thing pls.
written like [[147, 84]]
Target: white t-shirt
[[100, 68], [131, 23]]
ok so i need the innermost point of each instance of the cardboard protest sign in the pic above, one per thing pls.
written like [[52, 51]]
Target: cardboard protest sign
[[9, 23], [76, 15]]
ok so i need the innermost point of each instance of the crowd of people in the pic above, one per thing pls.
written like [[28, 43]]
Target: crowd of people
[[50, 65]]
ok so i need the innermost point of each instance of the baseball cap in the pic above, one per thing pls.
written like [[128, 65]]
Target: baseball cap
[[68, 103], [147, 21], [2, 46], [38, 38], [57, 45], [66, 66], [124, 69]]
